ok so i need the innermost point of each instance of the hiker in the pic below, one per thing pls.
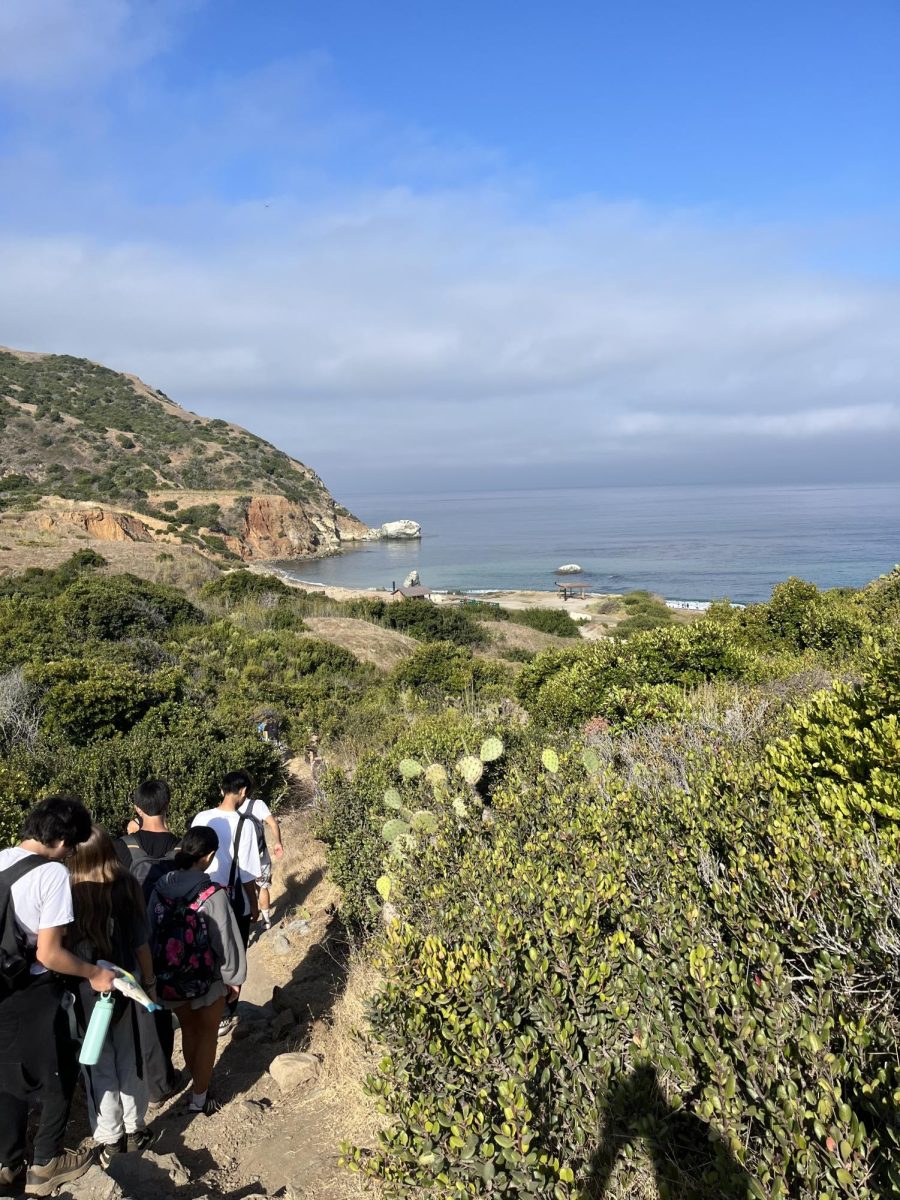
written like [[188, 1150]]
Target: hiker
[[261, 816], [37, 1054], [198, 956], [111, 923], [147, 851], [236, 865]]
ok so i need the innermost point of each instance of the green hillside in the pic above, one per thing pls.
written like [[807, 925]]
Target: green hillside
[[75, 429]]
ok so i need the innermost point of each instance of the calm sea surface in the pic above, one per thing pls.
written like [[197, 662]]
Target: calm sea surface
[[687, 543]]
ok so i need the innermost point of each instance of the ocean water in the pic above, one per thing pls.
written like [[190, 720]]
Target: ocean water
[[686, 543]]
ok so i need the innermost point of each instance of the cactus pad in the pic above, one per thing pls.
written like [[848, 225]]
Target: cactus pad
[[409, 768], [491, 749], [550, 759], [470, 768]]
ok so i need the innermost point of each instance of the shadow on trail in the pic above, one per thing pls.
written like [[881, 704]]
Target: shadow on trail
[[310, 994], [688, 1165], [295, 892]]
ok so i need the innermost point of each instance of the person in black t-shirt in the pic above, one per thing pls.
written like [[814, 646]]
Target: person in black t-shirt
[[146, 851]]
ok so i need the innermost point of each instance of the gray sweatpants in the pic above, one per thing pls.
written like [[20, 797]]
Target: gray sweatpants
[[117, 1097]]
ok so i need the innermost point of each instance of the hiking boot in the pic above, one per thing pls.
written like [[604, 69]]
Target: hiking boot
[[12, 1180], [209, 1106], [68, 1165], [107, 1151], [141, 1139]]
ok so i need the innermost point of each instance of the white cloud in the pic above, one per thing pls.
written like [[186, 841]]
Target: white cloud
[[401, 325], [58, 43]]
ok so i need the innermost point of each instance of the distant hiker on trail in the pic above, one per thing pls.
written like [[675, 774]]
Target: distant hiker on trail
[[147, 851], [236, 865], [111, 923], [37, 1054], [198, 956], [261, 815]]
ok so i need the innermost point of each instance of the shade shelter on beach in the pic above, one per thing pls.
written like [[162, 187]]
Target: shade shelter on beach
[[572, 590]]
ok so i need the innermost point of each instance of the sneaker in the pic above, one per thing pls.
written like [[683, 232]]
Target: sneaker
[[210, 1105], [12, 1180], [227, 1023], [68, 1165], [107, 1151], [141, 1139]]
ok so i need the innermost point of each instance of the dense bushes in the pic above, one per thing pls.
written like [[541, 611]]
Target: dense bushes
[[709, 966], [605, 679], [547, 620], [426, 622]]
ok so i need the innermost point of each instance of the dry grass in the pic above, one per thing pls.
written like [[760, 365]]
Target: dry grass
[[507, 636], [348, 1057], [385, 648]]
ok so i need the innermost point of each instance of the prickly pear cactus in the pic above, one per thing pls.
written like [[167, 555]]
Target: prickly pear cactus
[[491, 749], [470, 768], [410, 769], [550, 759]]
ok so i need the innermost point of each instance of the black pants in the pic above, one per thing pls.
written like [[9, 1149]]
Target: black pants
[[157, 1038], [38, 1064]]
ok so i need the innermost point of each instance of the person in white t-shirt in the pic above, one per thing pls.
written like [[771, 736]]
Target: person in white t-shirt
[[262, 814], [37, 1055], [236, 865]]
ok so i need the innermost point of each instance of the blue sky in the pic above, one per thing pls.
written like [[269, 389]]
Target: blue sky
[[472, 244]]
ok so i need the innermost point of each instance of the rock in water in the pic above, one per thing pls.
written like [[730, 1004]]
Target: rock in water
[[412, 580], [290, 1071], [401, 529], [569, 569]]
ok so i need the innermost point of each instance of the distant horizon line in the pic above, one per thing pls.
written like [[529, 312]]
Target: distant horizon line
[[595, 487]]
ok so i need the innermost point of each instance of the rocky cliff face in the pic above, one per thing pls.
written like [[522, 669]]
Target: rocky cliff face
[[277, 528], [104, 525]]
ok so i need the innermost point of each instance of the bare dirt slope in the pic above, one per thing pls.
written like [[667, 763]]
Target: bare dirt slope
[[369, 643]]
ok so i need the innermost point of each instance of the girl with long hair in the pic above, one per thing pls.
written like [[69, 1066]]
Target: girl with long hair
[[198, 954], [111, 923]]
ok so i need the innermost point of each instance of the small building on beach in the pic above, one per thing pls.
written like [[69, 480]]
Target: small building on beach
[[411, 593]]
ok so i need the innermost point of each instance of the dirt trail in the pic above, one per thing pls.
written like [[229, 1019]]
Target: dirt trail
[[263, 1141]]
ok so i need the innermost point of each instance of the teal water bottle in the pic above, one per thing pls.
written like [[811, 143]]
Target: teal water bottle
[[97, 1029]]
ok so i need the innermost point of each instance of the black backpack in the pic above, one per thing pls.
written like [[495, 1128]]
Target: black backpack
[[16, 956], [146, 869], [260, 831]]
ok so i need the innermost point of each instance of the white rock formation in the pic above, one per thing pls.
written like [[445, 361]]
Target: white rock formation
[[412, 579], [569, 569], [401, 529]]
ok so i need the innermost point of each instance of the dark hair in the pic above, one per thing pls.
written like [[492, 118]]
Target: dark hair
[[234, 781], [58, 819], [199, 841], [152, 797]]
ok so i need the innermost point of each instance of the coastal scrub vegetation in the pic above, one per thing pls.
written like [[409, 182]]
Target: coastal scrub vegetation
[[635, 905], [652, 919]]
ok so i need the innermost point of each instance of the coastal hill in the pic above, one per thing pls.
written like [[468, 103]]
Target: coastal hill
[[92, 454]]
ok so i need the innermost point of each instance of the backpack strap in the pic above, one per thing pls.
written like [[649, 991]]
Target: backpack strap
[[132, 842], [14, 873], [235, 852], [204, 894]]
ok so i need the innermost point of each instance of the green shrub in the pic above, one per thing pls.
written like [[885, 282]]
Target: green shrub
[[119, 606], [235, 586], [569, 687], [445, 668], [709, 968]]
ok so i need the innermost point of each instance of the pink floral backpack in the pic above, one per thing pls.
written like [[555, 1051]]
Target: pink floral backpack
[[183, 958]]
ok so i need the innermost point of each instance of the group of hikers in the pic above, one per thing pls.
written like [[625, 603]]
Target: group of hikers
[[176, 913]]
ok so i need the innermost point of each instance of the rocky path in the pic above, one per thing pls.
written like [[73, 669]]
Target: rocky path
[[279, 1131]]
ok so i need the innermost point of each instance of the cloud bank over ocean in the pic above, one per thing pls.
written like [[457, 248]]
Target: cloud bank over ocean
[[434, 318]]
